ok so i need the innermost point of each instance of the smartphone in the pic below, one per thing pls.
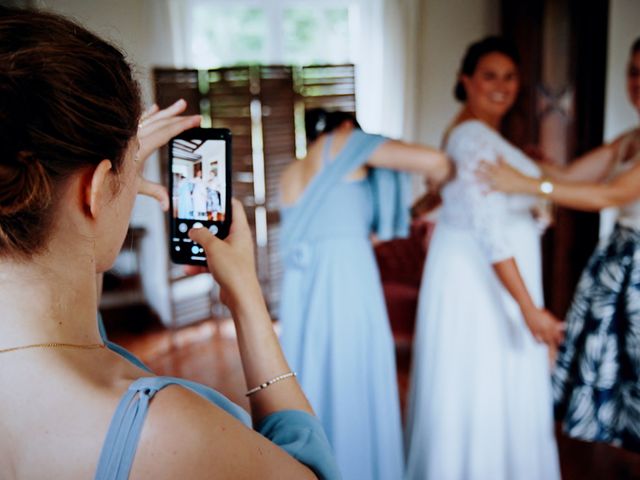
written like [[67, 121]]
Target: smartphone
[[200, 190]]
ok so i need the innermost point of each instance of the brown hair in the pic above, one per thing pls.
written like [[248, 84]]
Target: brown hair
[[69, 100], [318, 121]]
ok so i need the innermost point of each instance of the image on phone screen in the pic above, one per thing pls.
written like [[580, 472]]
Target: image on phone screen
[[199, 190]]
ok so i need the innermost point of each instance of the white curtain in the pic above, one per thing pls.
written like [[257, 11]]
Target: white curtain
[[387, 62]]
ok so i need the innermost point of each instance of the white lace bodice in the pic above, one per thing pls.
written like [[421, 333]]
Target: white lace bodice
[[468, 204]]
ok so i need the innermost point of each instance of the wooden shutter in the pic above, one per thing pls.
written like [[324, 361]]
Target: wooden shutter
[[277, 100], [328, 86], [263, 106]]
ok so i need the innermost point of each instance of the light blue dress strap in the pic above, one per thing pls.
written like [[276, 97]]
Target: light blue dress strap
[[354, 154], [296, 432], [120, 446], [326, 150], [121, 443], [114, 347]]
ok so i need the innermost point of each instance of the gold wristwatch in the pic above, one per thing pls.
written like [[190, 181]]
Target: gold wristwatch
[[545, 187]]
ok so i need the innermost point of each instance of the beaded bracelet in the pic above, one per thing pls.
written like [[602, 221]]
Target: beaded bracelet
[[264, 385]]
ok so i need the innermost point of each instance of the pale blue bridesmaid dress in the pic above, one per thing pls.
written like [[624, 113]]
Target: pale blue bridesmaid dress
[[335, 330]]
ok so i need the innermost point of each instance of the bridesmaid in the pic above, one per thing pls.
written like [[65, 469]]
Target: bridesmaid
[[335, 330], [596, 382]]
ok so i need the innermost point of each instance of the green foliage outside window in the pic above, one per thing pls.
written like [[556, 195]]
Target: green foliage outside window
[[242, 35], [229, 36]]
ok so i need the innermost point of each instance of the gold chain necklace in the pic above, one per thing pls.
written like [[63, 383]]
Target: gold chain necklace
[[89, 346]]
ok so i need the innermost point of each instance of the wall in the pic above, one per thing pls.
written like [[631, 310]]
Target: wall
[[624, 28], [447, 28]]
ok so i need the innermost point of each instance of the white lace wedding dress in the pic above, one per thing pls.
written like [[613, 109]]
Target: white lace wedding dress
[[480, 403]]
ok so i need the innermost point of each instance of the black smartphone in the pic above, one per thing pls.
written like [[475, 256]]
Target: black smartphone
[[200, 189]]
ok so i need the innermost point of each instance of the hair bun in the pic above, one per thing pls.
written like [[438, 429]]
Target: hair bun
[[24, 184]]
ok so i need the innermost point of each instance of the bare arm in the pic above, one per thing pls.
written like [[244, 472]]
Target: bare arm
[[594, 166], [427, 161], [619, 191], [623, 189], [262, 357], [542, 324], [232, 264], [186, 437]]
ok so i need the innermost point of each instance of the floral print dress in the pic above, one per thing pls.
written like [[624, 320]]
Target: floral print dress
[[596, 382]]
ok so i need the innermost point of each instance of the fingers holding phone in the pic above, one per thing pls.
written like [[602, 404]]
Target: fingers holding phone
[[231, 261]]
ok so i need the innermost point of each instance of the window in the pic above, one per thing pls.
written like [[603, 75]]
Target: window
[[230, 33], [315, 35], [235, 35]]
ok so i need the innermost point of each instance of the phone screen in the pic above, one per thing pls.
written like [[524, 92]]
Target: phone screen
[[200, 195]]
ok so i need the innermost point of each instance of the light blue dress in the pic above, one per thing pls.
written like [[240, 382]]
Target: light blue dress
[[335, 330], [185, 200], [295, 431]]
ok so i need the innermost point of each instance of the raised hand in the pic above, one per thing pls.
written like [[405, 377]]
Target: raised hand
[[156, 128], [502, 177], [231, 261]]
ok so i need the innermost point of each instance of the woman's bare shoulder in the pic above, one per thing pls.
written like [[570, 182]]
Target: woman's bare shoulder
[[186, 436]]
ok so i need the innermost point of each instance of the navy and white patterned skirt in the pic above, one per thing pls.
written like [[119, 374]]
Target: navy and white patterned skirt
[[596, 380]]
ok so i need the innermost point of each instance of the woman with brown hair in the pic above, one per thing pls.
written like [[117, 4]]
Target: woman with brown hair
[[596, 381], [71, 153], [480, 399]]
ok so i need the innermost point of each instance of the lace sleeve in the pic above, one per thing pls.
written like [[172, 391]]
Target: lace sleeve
[[485, 212]]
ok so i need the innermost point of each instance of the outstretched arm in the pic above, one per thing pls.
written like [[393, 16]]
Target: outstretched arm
[[397, 155], [594, 166], [619, 191]]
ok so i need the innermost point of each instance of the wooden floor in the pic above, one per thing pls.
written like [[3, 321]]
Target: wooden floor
[[207, 353]]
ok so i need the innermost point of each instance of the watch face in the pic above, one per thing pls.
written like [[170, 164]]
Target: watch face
[[546, 187]]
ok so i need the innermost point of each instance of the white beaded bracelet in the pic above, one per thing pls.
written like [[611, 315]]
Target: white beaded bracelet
[[264, 385]]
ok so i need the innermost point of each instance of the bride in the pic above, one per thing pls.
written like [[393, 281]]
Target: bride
[[480, 403]]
